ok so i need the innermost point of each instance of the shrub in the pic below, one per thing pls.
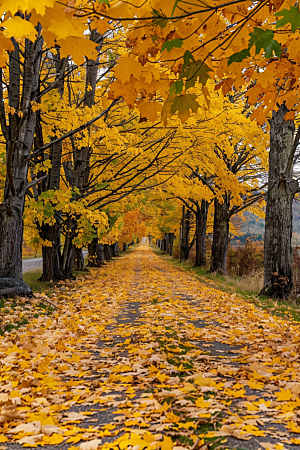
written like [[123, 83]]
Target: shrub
[[245, 260]]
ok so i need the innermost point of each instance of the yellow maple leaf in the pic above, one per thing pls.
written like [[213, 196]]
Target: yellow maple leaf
[[290, 115], [237, 394], [127, 67], [171, 417], [12, 5], [64, 27], [255, 385], [284, 395], [78, 47], [255, 431], [167, 443], [200, 380], [250, 406], [19, 29], [201, 403], [39, 6], [53, 439], [293, 427], [188, 387], [149, 110]]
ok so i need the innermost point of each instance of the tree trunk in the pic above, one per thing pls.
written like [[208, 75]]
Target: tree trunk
[[107, 252], [79, 259], [201, 221], [96, 254], [52, 232], [278, 223], [11, 234], [51, 265], [19, 134], [78, 171], [185, 234], [220, 237], [52, 260], [115, 249], [68, 256], [112, 250], [171, 239], [167, 242]]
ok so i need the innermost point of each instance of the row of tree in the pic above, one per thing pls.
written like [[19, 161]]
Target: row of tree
[[112, 107]]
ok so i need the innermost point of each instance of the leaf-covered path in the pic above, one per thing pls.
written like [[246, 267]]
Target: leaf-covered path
[[143, 354]]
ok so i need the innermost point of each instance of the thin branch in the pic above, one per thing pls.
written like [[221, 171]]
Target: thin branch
[[72, 132]]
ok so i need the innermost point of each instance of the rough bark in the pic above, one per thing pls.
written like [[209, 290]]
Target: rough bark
[[107, 252], [185, 234], [10, 287], [78, 171], [78, 259], [171, 246], [167, 242], [201, 222], [52, 259], [96, 254], [11, 228], [220, 236], [278, 223], [113, 250], [19, 140], [68, 256]]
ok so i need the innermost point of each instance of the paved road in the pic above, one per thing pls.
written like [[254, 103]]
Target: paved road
[[32, 264], [37, 263]]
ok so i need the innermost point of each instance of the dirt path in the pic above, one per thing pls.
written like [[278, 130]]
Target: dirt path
[[143, 354]]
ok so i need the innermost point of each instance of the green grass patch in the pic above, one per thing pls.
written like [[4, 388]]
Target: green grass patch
[[38, 255], [18, 312], [32, 279]]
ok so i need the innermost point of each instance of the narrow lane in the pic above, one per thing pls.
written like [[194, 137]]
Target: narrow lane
[[31, 264], [37, 263], [143, 354]]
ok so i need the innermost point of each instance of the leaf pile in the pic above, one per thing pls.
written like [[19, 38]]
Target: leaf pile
[[17, 312], [142, 355]]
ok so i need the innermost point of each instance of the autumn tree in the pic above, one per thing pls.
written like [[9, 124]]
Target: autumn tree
[[224, 165], [21, 91], [254, 45]]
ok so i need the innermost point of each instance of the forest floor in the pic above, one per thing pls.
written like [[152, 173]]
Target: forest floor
[[142, 354]]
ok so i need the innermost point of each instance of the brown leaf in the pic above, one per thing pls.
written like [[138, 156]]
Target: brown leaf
[[91, 445], [9, 413]]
